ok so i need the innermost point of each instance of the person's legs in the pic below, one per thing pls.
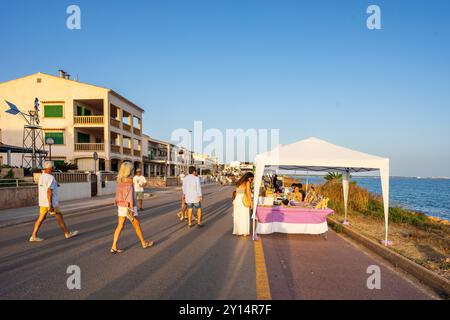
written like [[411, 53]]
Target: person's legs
[[120, 224], [137, 228], [199, 215], [140, 204], [61, 223], [39, 221], [189, 216]]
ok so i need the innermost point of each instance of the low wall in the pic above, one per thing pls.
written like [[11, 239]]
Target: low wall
[[163, 181], [74, 191], [18, 197]]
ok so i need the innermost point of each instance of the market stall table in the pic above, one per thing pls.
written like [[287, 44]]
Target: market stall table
[[287, 219]]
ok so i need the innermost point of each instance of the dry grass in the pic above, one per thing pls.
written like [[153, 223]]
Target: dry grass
[[415, 236]]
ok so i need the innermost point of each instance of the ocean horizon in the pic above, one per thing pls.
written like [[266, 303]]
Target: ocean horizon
[[430, 195]]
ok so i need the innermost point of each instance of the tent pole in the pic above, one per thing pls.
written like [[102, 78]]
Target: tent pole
[[345, 187]]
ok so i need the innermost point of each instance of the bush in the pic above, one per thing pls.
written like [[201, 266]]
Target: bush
[[358, 198]]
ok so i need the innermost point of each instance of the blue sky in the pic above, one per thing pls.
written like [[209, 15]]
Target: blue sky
[[309, 68]]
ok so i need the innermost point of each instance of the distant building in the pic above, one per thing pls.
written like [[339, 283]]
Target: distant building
[[163, 159], [81, 118]]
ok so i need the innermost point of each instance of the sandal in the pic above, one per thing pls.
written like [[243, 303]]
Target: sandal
[[115, 251], [148, 244]]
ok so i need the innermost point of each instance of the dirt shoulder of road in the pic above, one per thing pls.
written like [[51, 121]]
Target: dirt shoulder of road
[[428, 248]]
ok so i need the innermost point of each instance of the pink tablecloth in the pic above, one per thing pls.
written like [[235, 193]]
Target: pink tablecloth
[[292, 215]]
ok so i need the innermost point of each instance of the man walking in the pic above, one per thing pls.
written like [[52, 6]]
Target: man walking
[[48, 203], [192, 192], [139, 182]]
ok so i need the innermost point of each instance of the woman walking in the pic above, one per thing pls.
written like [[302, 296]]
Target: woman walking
[[242, 204], [127, 207]]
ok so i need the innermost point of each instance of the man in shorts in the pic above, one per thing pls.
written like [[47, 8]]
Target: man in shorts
[[192, 192], [139, 184], [48, 203]]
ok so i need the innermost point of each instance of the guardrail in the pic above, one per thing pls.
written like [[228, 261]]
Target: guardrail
[[89, 146], [88, 119], [15, 183], [71, 177]]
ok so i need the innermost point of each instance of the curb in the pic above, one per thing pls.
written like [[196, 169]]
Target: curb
[[425, 276]]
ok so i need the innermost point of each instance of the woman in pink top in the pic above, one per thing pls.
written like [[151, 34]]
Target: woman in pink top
[[126, 203]]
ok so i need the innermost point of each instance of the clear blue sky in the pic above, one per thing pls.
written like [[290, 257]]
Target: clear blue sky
[[310, 68]]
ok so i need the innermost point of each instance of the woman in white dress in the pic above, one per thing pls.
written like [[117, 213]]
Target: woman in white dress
[[242, 204]]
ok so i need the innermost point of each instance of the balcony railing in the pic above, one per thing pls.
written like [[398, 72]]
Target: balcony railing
[[115, 123], [126, 127], [126, 151], [115, 149], [137, 153], [158, 158], [137, 131], [89, 146], [88, 120]]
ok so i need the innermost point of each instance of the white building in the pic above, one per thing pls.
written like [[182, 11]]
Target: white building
[[81, 118]]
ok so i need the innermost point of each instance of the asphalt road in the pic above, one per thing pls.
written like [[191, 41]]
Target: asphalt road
[[197, 263]]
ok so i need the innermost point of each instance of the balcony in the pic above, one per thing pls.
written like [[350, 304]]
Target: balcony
[[158, 158], [83, 147], [88, 120], [127, 151], [115, 123], [137, 153], [126, 127], [115, 149], [137, 131]]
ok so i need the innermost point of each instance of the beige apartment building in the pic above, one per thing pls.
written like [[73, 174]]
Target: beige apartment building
[[80, 118]]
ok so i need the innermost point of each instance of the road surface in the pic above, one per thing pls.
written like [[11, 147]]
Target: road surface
[[197, 263]]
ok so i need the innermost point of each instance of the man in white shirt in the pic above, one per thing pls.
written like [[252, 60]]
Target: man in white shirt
[[48, 203], [139, 184], [192, 192]]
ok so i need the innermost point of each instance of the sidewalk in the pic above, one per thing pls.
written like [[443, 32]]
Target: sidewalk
[[10, 217]]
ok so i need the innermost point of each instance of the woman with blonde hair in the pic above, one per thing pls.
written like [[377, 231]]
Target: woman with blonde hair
[[242, 204], [127, 208]]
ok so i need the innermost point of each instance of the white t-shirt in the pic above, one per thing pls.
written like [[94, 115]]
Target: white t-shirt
[[47, 181], [192, 189], [139, 182]]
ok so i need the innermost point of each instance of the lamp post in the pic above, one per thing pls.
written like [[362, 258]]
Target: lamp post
[[50, 142]]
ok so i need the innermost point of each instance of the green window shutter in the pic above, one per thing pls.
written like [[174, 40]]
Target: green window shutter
[[59, 162], [53, 111], [82, 111], [83, 138], [58, 137]]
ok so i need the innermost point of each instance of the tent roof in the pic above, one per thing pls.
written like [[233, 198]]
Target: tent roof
[[318, 155]]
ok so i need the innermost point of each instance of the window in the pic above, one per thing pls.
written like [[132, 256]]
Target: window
[[83, 138], [58, 137], [82, 111], [59, 163], [53, 111]]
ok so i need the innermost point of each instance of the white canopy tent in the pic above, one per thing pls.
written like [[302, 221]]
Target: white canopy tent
[[317, 155]]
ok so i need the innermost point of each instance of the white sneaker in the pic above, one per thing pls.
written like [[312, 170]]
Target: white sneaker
[[71, 234], [35, 239]]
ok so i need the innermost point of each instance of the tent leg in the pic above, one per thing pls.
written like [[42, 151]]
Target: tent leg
[[345, 188]]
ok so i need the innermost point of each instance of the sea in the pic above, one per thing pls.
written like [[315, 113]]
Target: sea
[[427, 195]]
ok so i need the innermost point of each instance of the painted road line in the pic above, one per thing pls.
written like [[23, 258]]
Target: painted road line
[[262, 279]]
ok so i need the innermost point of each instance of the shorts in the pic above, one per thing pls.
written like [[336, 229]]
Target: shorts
[[139, 195], [197, 205], [122, 211], [43, 210]]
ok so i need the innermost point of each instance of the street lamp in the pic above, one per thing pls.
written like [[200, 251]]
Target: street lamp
[[50, 142]]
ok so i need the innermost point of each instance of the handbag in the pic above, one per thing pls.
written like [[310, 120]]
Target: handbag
[[245, 201]]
